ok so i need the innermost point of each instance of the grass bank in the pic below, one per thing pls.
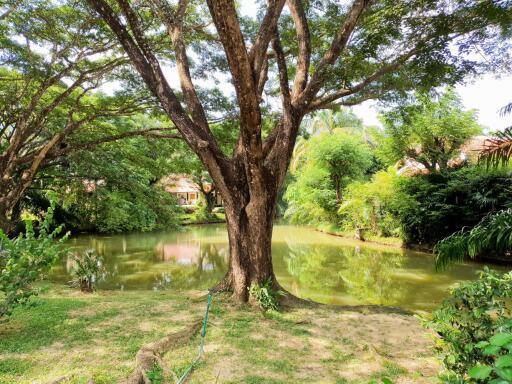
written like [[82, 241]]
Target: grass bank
[[193, 218], [369, 238], [78, 336]]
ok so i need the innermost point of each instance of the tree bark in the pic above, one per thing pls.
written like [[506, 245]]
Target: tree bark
[[249, 223], [5, 224], [209, 198]]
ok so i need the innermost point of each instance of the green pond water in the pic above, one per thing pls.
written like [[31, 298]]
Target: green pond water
[[310, 264]]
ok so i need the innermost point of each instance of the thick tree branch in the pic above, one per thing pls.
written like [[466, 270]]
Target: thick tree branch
[[228, 27], [268, 26], [321, 102], [303, 60], [174, 25], [148, 67], [338, 44]]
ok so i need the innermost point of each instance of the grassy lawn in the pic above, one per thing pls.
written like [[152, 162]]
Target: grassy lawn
[[191, 218], [66, 333]]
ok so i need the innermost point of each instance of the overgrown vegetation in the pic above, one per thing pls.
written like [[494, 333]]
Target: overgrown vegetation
[[330, 163], [474, 326], [491, 236], [25, 259]]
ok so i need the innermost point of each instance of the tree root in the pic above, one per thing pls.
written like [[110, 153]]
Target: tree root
[[224, 285], [150, 355], [289, 301]]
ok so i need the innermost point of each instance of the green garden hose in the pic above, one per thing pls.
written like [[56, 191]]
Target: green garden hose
[[201, 343]]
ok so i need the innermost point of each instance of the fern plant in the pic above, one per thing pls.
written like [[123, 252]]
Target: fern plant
[[265, 295]]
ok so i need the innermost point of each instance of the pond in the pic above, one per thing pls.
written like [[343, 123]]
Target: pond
[[308, 263]]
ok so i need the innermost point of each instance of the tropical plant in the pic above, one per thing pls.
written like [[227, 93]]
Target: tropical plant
[[266, 295], [371, 205], [429, 130], [499, 347], [506, 109], [470, 324], [498, 149], [86, 270], [491, 235], [25, 259], [443, 203]]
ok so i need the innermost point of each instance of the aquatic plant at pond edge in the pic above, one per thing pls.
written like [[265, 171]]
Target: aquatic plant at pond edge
[[467, 320], [25, 259], [86, 270]]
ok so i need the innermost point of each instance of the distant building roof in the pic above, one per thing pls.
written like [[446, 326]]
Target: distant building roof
[[179, 183], [469, 152]]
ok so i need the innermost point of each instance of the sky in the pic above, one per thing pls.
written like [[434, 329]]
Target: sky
[[486, 94]]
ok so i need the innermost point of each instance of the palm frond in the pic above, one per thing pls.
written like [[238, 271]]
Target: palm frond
[[497, 150], [492, 235], [506, 110]]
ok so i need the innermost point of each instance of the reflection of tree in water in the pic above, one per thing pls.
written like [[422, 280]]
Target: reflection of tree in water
[[313, 266], [365, 274], [140, 263], [211, 265], [369, 275]]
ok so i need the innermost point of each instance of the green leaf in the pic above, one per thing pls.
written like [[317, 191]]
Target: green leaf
[[504, 373], [385, 380], [501, 339], [503, 361], [482, 344], [491, 350], [480, 372], [499, 381]]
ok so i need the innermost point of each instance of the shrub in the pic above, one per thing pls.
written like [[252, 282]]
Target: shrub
[[468, 322], [25, 259], [443, 203], [372, 205]]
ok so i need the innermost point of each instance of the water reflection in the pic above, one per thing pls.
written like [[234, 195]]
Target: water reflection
[[310, 264]]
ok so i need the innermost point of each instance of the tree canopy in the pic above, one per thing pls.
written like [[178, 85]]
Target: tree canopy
[[430, 130], [331, 162]]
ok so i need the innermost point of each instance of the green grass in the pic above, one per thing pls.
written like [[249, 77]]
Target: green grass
[[336, 231], [66, 333], [192, 218]]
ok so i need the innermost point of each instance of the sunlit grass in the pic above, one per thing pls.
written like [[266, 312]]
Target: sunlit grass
[[69, 334]]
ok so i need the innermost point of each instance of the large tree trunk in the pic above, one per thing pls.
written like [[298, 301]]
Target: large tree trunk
[[249, 225]]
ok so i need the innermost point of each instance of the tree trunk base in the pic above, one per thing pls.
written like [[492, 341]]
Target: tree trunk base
[[288, 301]]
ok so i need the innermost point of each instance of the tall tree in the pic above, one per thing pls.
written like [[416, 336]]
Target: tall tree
[[320, 55], [53, 59], [331, 162], [430, 130]]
